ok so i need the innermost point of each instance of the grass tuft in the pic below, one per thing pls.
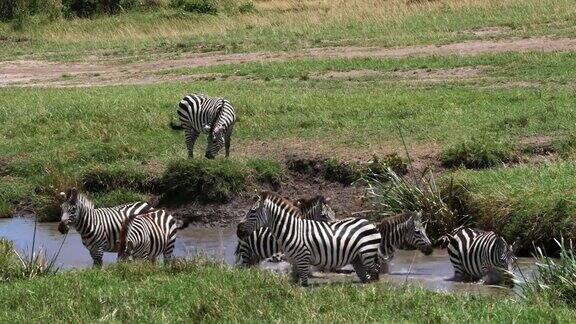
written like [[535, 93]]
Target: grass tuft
[[478, 153], [267, 171], [202, 180], [554, 280], [110, 177]]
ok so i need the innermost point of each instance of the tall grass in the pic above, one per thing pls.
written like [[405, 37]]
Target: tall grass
[[554, 280], [394, 194]]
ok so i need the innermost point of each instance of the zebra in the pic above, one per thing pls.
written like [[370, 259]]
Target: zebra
[[199, 113], [476, 254], [99, 228], [146, 236], [260, 244], [308, 242], [404, 228]]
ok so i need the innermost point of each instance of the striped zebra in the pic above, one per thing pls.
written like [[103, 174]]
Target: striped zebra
[[307, 242], [146, 236], [477, 254], [399, 230], [99, 228], [199, 113], [260, 245]]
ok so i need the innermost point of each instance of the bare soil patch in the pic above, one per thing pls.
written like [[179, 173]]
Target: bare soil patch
[[89, 74]]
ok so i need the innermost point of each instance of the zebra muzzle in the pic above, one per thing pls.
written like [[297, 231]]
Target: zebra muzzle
[[63, 228]]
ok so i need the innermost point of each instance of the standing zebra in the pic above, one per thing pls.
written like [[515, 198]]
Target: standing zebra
[[199, 113], [99, 228], [146, 236], [477, 254], [307, 242], [404, 228], [261, 245]]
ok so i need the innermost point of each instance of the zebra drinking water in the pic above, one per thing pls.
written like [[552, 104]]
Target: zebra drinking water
[[99, 228], [199, 113], [404, 228], [477, 254], [260, 244], [307, 242], [146, 236]]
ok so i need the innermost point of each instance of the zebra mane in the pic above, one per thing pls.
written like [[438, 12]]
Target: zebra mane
[[306, 203], [84, 201], [280, 201], [397, 219]]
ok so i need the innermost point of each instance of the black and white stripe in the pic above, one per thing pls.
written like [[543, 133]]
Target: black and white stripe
[[477, 254], [307, 242], [260, 245], [99, 228], [199, 113], [147, 236], [400, 230]]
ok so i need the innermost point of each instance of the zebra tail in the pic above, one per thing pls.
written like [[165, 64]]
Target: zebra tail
[[175, 126], [124, 233]]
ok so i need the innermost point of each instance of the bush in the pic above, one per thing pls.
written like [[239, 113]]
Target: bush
[[397, 195], [11, 9], [343, 172], [478, 153], [554, 280], [267, 171], [9, 267], [91, 8], [202, 180], [117, 197], [111, 177], [198, 6], [379, 167]]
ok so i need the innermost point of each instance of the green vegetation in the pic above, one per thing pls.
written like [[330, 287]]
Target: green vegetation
[[478, 154], [243, 26], [533, 202], [200, 290], [554, 281]]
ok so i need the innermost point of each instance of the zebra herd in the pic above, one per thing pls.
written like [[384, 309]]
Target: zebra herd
[[305, 232]]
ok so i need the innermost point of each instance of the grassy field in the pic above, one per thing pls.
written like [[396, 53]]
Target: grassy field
[[198, 291], [284, 25]]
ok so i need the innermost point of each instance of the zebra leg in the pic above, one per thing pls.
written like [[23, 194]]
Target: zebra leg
[[360, 270], [227, 139], [191, 136], [96, 255]]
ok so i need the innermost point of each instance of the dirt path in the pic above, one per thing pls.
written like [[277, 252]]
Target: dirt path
[[41, 73]]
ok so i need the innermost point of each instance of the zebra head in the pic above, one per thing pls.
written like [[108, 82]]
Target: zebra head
[[244, 255], [72, 205], [256, 217], [506, 253], [416, 235], [215, 141], [316, 208]]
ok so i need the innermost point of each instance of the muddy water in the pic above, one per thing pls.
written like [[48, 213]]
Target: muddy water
[[430, 272]]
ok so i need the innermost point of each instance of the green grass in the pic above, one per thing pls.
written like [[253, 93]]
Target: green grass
[[284, 26], [536, 203], [478, 153], [200, 291]]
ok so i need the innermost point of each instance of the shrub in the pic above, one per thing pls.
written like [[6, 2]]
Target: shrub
[[117, 197], [554, 279], [198, 6], [478, 153], [267, 171], [397, 194], [343, 172], [90, 8], [9, 267], [202, 180], [46, 207], [10, 9], [379, 167], [106, 178]]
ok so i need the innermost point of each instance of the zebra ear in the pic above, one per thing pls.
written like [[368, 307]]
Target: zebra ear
[[62, 196], [72, 195]]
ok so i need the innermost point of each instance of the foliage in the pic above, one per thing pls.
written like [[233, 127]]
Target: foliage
[[554, 280], [202, 180], [398, 194], [267, 171], [478, 153], [198, 6], [115, 176]]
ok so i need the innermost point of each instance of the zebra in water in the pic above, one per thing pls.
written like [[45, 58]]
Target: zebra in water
[[146, 236], [199, 113], [99, 228], [401, 229], [260, 244], [476, 254], [307, 242]]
